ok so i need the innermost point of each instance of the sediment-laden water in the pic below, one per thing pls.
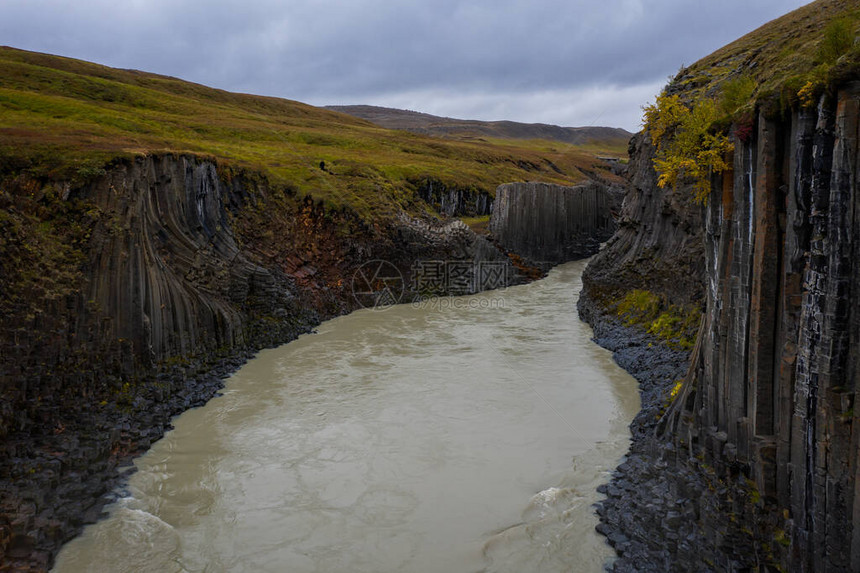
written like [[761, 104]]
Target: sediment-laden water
[[467, 434]]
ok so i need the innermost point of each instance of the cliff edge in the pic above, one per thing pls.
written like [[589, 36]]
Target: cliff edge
[[748, 458]]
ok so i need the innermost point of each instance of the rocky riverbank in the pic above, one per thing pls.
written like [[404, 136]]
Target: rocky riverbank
[[665, 510], [57, 479], [636, 488]]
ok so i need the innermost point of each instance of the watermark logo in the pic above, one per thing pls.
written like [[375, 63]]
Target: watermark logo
[[378, 284], [440, 303], [454, 278]]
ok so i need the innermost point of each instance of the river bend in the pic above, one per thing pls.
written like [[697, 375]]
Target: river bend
[[461, 435]]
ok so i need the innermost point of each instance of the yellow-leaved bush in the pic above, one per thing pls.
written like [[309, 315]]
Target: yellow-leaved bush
[[687, 147]]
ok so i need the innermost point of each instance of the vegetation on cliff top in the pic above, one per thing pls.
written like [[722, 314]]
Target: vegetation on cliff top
[[687, 145], [815, 43], [64, 119], [790, 62]]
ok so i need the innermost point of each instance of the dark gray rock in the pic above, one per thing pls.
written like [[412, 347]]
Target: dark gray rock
[[759, 443], [550, 223]]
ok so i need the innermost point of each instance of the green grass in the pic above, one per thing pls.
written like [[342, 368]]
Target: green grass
[[787, 64], [64, 119], [781, 57], [480, 225], [676, 326]]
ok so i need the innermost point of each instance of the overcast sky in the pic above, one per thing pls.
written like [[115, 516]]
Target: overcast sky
[[567, 62]]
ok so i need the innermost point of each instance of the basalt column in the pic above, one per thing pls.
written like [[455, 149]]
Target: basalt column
[[771, 406], [551, 223]]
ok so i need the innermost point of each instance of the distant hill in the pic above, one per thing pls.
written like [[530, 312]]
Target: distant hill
[[427, 124], [63, 119]]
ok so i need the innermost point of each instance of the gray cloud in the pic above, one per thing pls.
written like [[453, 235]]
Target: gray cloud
[[487, 59]]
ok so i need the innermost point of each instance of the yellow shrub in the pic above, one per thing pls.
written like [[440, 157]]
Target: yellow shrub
[[687, 148], [674, 325]]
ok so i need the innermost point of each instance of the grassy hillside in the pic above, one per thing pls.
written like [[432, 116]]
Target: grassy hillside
[[66, 119], [787, 64], [609, 140], [805, 48]]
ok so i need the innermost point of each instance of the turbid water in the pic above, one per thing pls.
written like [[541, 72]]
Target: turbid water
[[468, 434]]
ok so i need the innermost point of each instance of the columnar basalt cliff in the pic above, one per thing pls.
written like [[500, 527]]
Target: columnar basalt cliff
[[551, 223], [771, 396], [455, 202], [189, 268], [658, 244], [749, 460]]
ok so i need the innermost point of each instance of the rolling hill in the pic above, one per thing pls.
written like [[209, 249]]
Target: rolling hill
[[424, 123], [65, 120]]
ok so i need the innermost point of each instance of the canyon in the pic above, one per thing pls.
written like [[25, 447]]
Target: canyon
[[159, 233], [182, 283], [735, 309], [382, 437]]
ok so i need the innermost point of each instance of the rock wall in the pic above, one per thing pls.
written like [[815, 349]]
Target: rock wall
[[658, 244], [163, 277], [762, 434], [454, 202], [551, 223], [772, 396], [185, 271]]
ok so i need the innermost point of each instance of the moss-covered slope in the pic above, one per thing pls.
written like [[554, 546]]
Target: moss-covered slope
[[814, 43]]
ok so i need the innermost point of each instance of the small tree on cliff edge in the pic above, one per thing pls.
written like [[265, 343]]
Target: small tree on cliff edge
[[688, 148]]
